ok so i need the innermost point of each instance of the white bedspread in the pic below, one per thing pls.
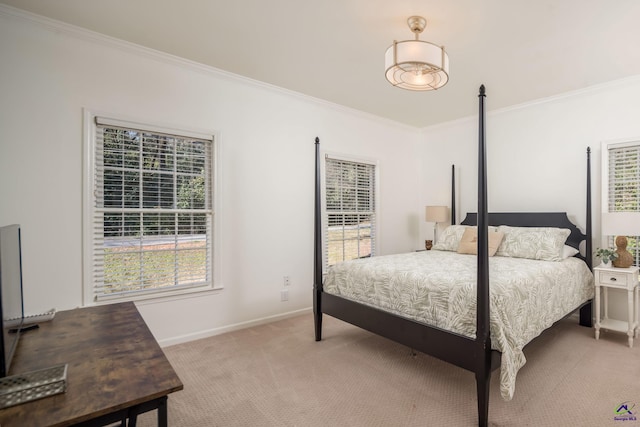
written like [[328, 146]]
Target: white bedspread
[[439, 288]]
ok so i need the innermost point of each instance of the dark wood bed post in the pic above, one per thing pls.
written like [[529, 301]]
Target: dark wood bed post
[[317, 255], [483, 335], [586, 316], [453, 194]]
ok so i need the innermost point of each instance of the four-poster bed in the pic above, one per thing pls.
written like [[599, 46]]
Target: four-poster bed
[[453, 341]]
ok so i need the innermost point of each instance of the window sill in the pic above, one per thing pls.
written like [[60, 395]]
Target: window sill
[[162, 296]]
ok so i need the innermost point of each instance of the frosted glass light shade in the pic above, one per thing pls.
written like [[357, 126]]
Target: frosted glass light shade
[[417, 65]]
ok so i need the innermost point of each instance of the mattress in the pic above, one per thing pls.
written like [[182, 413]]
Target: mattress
[[438, 288]]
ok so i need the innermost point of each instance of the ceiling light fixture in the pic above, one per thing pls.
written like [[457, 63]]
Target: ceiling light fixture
[[416, 64]]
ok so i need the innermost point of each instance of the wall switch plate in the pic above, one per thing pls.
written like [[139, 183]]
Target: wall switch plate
[[284, 295]]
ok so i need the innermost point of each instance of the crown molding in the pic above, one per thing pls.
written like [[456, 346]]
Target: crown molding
[[589, 90], [115, 43]]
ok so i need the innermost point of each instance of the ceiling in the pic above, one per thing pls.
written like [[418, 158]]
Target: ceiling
[[333, 50]]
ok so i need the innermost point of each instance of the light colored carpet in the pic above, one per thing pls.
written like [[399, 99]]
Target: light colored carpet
[[277, 375]]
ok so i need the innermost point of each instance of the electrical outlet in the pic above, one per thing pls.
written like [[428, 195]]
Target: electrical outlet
[[287, 280], [284, 295]]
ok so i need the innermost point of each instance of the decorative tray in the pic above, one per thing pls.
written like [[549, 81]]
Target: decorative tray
[[21, 388]]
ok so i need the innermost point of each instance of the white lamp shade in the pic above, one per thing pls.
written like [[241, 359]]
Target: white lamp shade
[[436, 213], [621, 223], [416, 65]]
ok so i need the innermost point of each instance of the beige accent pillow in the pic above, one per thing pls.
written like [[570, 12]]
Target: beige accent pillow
[[469, 242]]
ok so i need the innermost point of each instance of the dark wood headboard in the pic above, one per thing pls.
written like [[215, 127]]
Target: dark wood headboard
[[533, 219]]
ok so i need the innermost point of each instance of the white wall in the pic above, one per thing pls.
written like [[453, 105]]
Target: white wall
[[536, 153], [49, 72]]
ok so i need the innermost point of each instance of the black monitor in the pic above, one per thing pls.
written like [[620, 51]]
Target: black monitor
[[11, 304]]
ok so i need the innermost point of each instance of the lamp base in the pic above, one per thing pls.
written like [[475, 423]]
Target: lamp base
[[625, 259]]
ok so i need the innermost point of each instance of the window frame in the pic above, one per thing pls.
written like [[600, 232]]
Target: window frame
[[325, 213], [89, 170], [606, 146]]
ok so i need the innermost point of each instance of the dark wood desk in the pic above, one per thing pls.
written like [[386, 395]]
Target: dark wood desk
[[116, 369]]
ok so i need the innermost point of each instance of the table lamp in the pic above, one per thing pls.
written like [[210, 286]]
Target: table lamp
[[621, 224], [436, 214]]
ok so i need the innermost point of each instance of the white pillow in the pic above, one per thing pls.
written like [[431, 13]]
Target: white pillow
[[569, 251], [450, 238], [542, 243]]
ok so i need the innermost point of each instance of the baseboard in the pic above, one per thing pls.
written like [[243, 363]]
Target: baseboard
[[229, 328]]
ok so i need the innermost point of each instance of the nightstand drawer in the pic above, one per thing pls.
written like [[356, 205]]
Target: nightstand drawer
[[610, 278]]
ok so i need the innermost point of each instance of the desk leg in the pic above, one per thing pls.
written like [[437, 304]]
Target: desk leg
[[162, 412], [159, 404], [597, 304]]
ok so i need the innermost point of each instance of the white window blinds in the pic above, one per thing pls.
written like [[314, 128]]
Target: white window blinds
[[624, 178], [623, 186], [350, 225], [152, 211]]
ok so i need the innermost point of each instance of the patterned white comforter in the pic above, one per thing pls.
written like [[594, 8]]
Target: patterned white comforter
[[439, 288]]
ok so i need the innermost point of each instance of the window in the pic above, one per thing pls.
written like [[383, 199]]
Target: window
[[350, 189], [150, 221], [621, 184]]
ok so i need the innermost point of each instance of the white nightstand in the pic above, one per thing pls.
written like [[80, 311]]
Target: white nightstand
[[618, 278]]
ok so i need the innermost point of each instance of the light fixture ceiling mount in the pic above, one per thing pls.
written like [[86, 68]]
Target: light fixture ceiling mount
[[416, 64]]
